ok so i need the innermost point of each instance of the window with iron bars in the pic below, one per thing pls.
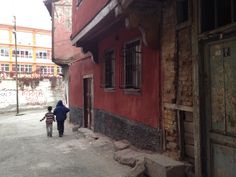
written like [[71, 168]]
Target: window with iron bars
[[132, 56], [108, 67], [217, 13]]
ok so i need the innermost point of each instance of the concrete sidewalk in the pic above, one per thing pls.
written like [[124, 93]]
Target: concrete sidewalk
[[26, 151], [143, 163]]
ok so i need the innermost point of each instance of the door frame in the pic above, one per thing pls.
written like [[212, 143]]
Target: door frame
[[89, 76]]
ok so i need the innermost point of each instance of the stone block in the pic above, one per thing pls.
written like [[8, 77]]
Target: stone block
[[120, 145], [138, 170], [128, 157], [162, 166]]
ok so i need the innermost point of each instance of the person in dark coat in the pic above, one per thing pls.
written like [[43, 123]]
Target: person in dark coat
[[60, 112]]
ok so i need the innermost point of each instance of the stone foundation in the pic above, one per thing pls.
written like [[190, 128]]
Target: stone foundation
[[118, 128], [76, 116]]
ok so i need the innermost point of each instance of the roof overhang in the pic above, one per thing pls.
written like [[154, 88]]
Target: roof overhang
[[103, 14], [48, 4], [119, 13]]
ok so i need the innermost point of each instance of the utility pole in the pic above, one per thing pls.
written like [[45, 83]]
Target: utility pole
[[16, 67]]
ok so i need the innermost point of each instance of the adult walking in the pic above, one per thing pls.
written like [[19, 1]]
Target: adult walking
[[60, 112]]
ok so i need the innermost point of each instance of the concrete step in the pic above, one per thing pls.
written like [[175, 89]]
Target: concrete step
[[149, 164], [161, 166]]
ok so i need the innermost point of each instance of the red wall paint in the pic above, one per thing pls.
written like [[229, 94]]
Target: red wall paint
[[145, 107], [77, 70], [83, 14]]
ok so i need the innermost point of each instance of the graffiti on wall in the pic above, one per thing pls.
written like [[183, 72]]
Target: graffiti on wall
[[43, 95], [6, 95], [28, 96], [34, 97]]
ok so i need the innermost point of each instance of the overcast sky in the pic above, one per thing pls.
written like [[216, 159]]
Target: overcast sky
[[29, 13]]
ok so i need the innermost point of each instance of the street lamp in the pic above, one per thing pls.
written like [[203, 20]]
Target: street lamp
[[16, 67]]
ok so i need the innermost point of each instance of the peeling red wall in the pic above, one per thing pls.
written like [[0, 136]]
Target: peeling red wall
[[63, 49], [83, 14], [144, 107]]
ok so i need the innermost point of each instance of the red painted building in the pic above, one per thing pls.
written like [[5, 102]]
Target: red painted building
[[115, 89], [158, 73], [62, 50]]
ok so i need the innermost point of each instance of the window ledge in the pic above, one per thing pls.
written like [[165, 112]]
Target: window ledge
[[112, 89], [183, 25], [132, 91]]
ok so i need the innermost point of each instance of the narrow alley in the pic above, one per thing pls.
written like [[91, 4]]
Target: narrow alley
[[26, 151]]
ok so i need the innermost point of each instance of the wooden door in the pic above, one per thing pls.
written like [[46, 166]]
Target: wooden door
[[220, 94], [88, 117]]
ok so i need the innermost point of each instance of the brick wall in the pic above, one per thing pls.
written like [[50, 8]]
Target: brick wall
[[177, 74], [185, 64]]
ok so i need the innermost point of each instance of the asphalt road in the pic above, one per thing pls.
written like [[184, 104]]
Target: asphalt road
[[26, 151]]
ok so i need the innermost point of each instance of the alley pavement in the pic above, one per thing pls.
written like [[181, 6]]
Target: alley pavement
[[26, 151]]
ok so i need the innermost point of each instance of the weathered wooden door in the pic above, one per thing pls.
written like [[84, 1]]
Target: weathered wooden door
[[88, 117], [220, 64]]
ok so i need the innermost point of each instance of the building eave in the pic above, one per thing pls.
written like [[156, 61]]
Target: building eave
[[48, 4], [96, 20], [61, 62]]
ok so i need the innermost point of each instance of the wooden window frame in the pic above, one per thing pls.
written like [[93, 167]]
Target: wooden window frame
[[108, 69]]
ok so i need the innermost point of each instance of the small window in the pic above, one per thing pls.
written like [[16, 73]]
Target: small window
[[182, 11], [109, 69], [132, 65]]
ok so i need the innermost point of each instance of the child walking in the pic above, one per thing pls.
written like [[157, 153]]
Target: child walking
[[49, 116]]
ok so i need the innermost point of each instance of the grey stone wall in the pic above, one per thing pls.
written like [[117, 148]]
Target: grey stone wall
[[116, 127], [76, 115]]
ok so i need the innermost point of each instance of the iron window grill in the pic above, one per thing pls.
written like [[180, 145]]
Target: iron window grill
[[216, 13], [131, 74], [108, 69]]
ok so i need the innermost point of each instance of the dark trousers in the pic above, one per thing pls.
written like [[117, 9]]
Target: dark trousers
[[60, 127]]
